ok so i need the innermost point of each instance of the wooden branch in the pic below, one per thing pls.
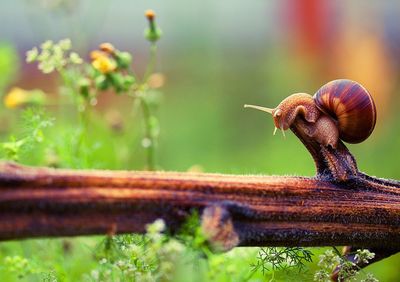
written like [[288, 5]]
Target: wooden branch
[[264, 210]]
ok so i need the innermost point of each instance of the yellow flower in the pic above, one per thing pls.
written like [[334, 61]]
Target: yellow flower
[[104, 64], [16, 97], [97, 54]]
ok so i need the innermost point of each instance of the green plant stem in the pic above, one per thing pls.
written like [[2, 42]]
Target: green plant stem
[[150, 149], [337, 252], [68, 83], [140, 93], [273, 276], [252, 272], [152, 63], [84, 126], [83, 115]]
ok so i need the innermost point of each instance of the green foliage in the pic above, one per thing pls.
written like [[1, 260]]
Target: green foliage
[[110, 69], [9, 64], [158, 256], [19, 266], [151, 257], [192, 236], [348, 270], [12, 148], [282, 258], [33, 123]]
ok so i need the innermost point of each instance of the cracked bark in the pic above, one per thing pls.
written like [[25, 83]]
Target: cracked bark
[[266, 210]]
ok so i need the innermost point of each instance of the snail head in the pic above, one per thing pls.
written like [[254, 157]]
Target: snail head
[[277, 115], [287, 111]]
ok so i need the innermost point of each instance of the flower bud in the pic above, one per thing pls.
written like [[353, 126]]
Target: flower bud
[[150, 14], [153, 33], [117, 82], [128, 82], [84, 87], [124, 59], [101, 82], [107, 48], [95, 54]]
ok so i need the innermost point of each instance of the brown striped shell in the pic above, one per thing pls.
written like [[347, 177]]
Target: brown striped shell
[[351, 106]]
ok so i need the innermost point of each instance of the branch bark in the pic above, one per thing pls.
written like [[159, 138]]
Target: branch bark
[[264, 210]]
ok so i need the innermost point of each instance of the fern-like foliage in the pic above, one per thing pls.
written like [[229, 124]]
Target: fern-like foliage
[[276, 258]]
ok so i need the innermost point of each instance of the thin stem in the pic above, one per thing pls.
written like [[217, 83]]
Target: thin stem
[[337, 251], [84, 117], [152, 63], [82, 114], [273, 276], [149, 140]]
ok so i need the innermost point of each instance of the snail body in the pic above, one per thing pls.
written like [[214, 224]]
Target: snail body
[[341, 109]]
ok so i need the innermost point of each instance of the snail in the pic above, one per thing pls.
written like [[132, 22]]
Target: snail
[[341, 109]]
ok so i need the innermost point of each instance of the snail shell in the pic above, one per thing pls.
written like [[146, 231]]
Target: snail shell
[[351, 106]]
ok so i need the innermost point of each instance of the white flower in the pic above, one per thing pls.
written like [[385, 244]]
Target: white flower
[[95, 274], [32, 55]]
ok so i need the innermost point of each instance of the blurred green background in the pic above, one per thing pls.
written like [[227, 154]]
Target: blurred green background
[[216, 56]]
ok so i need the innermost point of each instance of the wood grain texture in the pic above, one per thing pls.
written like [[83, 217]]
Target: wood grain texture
[[266, 210]]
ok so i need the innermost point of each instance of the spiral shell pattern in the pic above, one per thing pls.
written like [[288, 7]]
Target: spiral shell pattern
[[351, 106]]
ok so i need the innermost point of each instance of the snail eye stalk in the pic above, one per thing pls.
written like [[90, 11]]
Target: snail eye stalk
[[276, 114], [263, 109]]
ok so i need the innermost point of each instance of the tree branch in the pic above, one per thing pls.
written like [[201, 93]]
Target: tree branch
[[264, 210]]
